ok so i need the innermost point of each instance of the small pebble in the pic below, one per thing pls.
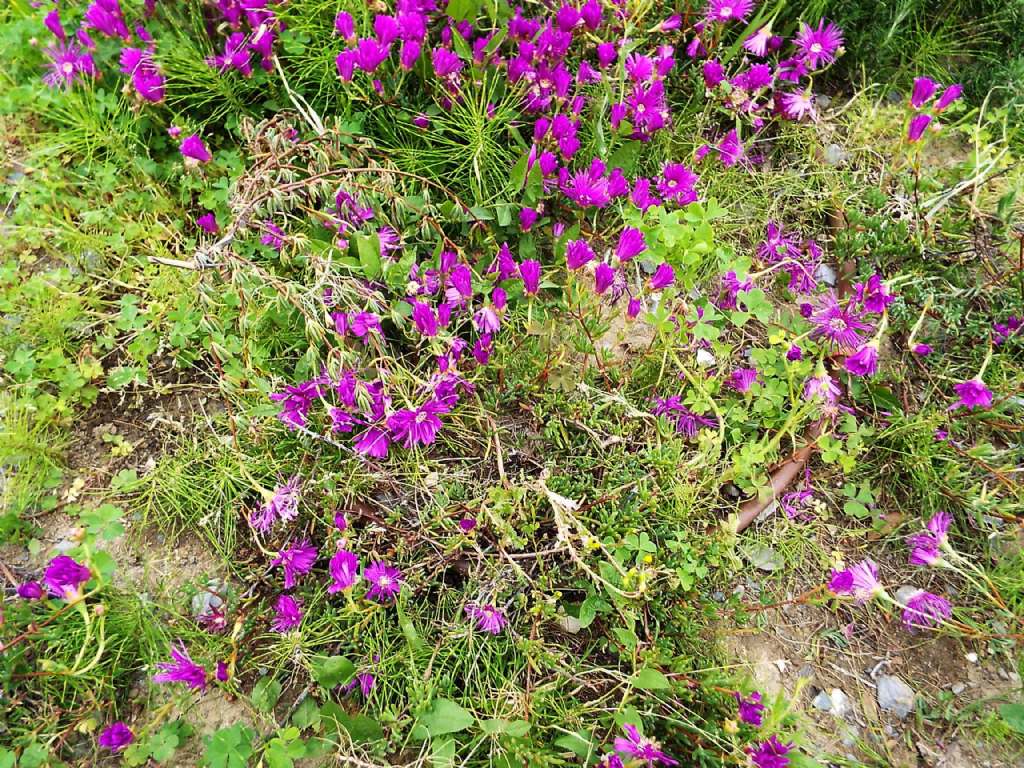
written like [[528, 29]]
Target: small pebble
[[895, 696]]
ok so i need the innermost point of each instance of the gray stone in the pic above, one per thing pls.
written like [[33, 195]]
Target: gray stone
[[895, 696], [958, 688], [822, 702], [835, 154], [841, 705]]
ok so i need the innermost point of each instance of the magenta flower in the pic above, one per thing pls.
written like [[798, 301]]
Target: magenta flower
[[641, 748], [863, 362], [287, 614], [106, 17], [611, 760], [385, 582], [794, 353], [924, 547], [30, 590], [677, 183], [823, 387], [663, 277], [424, 318], [529, 271], [973, 394], [589, 188], [799, 105], [728, 10], [373, 442], [344, 570], [606, 54], [918, 125], [273, 236], [742, 379], [819, 45], [604, 276], [951, 94], [296, 402], [713, 73], [488, 618], [52, 22], [345, 26], [750, 710], [923, 610], [115, 737], [757, 43], [64, 577], [859, 582], [296, 560], [577, 254], [922, 350], [527, 218], [922, 92], [771, 753], [631, 243], [364, 681], [193, 148], [181, 669], [370, 53], [208, 223], [839, 326], [417, 426], [67, 62]]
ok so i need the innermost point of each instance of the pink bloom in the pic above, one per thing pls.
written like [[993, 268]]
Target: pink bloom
[[641, 748], [728, 10], [181, 669], [631, 243], [859, 582], [287, 614], [918, 125], [973, 394], [296, 559], [863, 362], [344, 570], [385, 582], [578, 253], [923, 610], [488, 618], [208, 223], [193, 148], [819, 45], [529, 271], [924, 89], [663, 277]]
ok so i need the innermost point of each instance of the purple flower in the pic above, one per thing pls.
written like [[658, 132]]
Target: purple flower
[[370, 53], [742, 379], [728, 10], [610, 760], [385, 582], [687, 423], [859, 582], [922, 350], [794, 353], [106, 17], [364, 681], [924, 550], [344, 570], [863, 362], [631, 243], [208, 223], [973, 394], [273, 236], [52, 22], [951, 94], [822, 386], [923, 610], [116, 737], [918, 125], [713, 72], [67, 62], [641, 748], [663, 277], [771, 753], [757, 43], [373, 442], [924, 89], [589, 188], [296, 559], [193, 148], [287, 614], [181, 669], [577, 254], [30, 590], [64, 577], [840, 326], [604, 276], [488, 618], [417, 426], [819, 45], [606, 54], [344, 25], [527, 218], [296, 401], [529, 271], [677, 183], [751, 710], [798, 105]]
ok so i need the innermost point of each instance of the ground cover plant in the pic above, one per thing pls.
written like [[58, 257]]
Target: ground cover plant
[[480, 383]]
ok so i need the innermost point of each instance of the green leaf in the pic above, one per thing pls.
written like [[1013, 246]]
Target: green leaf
[[330, 671], [579, 743], [1013, 716], [514, 728], [229, 747], [444, 716], [368, 248], [359, 727], [307, 715], [6, 758], [648, 679], [265, 694], [34, 755], [463, 10], [442, 753]]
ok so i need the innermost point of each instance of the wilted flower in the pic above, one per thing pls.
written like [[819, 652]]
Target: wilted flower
[[859, 582], [923, 610]]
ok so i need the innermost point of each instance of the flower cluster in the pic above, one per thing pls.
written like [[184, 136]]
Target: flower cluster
[[922, 115]]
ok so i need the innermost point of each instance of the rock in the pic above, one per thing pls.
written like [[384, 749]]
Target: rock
[[569, 624], [841, 704], [895, 696], [972, 657], [822, 702], [958, 688], [825, 274], [904, 593], [835, 154]]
